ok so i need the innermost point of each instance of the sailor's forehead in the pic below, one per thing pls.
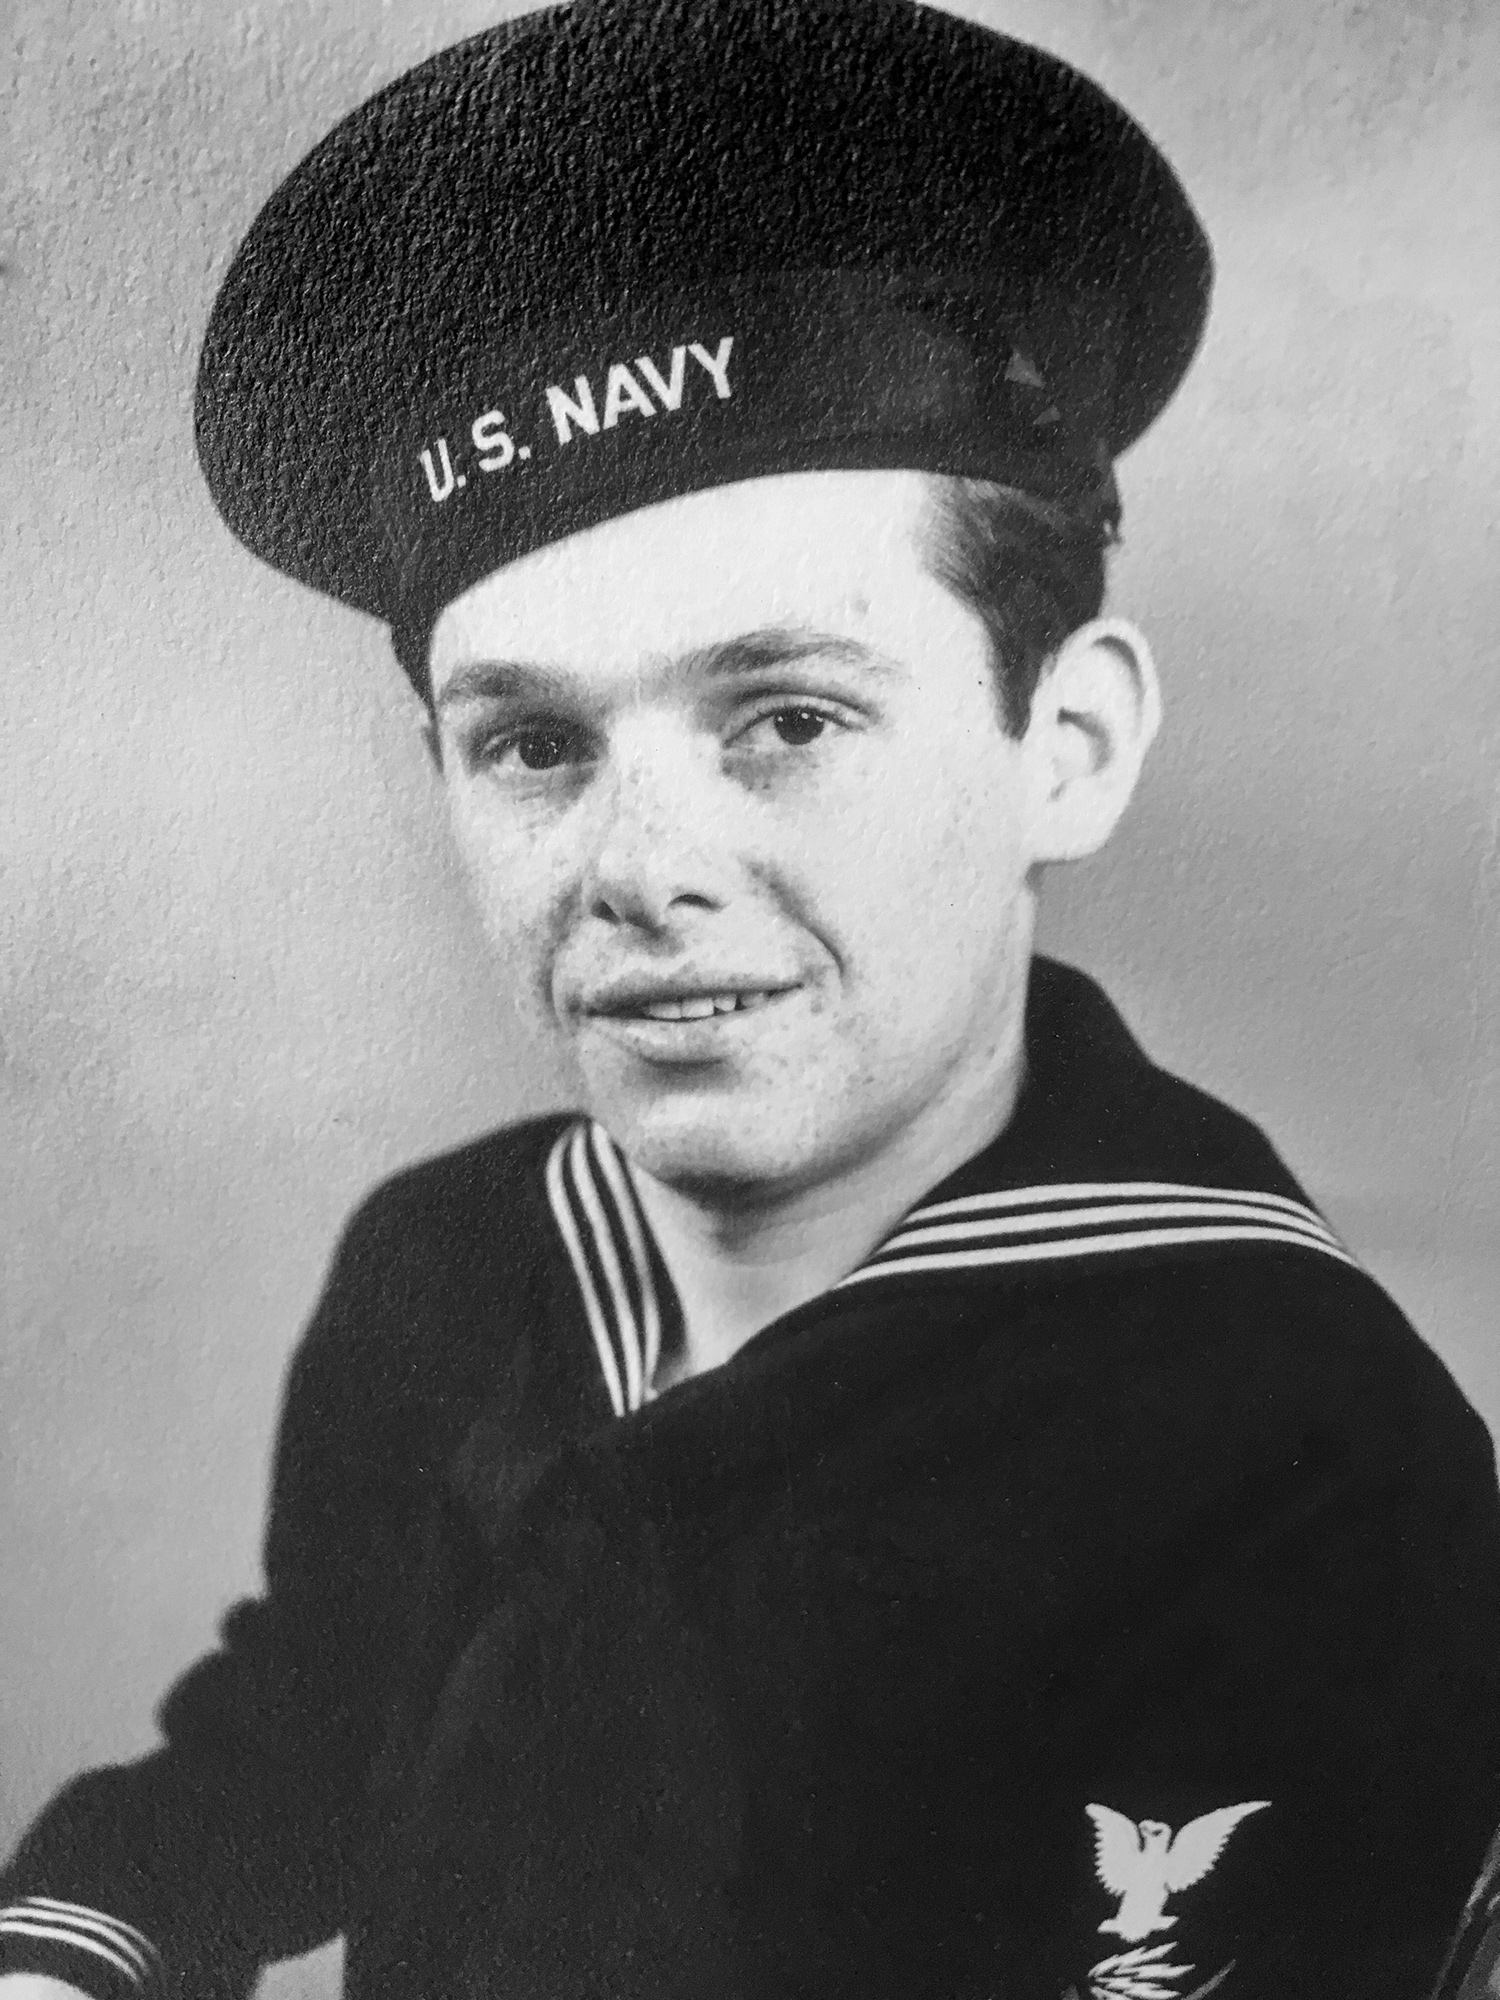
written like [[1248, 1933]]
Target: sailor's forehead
[[836, 553]]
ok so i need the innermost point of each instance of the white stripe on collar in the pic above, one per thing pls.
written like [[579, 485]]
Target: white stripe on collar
[[604, 1232], [1090, 1219], [600, 1220], [627, 1208]]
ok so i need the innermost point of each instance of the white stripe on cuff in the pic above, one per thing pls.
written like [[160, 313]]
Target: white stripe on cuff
[[129, 1939], [60, 1930]]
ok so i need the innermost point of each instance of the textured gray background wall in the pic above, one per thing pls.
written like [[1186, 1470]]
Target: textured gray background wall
[[238, 982]]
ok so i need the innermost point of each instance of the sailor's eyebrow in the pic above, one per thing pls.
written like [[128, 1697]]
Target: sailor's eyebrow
[[746, 653], [498, 680], [777, 646]]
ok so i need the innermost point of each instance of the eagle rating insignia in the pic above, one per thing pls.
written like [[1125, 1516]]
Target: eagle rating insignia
[[1143, 1864]]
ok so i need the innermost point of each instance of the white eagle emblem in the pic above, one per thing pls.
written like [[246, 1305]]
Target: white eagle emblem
[[1144, 1864]]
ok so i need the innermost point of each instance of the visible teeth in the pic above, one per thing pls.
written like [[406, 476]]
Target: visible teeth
[[703, 1006]]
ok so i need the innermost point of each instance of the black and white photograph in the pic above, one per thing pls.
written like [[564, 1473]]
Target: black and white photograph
[[749, 913]]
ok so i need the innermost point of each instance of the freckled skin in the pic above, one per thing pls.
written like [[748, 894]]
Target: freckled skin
[[851, 824]]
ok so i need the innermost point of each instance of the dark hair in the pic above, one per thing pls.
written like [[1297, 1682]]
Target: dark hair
[[1031, 570]]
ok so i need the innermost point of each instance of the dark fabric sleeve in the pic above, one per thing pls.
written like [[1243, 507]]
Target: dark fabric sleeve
[[229, 1845], [1330, 1696]]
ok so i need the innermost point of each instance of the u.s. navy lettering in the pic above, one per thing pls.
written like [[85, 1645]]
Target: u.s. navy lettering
[[668, 393], [575, 410], [637, 388], [568, 413], [623, 393], [439, 484], [717, 365], [490, 436]]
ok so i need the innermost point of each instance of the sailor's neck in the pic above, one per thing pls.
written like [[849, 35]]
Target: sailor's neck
[[739, 1264]]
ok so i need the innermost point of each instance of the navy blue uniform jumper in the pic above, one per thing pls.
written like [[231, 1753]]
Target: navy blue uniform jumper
[[1096, 1594]]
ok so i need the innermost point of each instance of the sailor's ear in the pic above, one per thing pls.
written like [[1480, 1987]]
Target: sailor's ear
[[1096, 708]]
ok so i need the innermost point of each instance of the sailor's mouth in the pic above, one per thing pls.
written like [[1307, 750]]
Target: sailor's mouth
[[697, 1006], [660, 1017]]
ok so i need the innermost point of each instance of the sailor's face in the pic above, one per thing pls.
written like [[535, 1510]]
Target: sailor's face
[[731, 786]]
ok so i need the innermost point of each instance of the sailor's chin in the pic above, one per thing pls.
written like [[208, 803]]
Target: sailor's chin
[[730, 1147]]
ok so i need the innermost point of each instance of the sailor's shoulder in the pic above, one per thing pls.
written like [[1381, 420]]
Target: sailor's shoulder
[[1254, 1353], [480, 1177], [452, 1240]]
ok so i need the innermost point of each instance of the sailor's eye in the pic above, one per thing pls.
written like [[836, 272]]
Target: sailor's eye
[[797, 726], [542, 749]]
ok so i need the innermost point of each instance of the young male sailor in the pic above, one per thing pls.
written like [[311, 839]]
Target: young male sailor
[[896, 1496]]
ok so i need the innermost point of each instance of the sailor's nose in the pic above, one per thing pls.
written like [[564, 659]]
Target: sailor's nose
[[661, 840]]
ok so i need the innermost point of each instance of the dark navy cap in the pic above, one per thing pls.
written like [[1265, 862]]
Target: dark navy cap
[[606, 254]]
